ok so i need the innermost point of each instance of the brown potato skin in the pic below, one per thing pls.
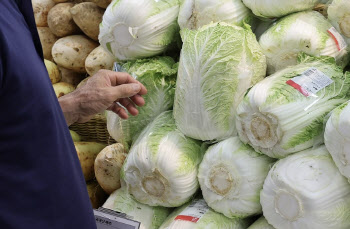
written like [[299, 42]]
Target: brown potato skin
[[70, 52], [60, 20], [102, 3], [96, 194], [62, 89], [41, 9], [70, 76], [87, 153], [47, 40], [88, 16], [98, 59]]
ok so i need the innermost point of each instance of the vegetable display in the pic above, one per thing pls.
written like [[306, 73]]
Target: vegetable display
[[339, 15], [241, 95], [150, 217], [279, 117], [306, 190], [273, 9], [162, 165], [231, 177], [129, 36], [209, 220], [261, 223], [218, 63], [337, 138], [307, 32], [197, 13]]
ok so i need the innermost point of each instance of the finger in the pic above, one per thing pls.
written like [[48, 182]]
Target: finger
[[119, 78], [138, 100], [130, 106], [124, 91], [119, 111]]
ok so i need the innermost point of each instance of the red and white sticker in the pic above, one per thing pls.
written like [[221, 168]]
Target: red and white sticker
[[194, 211], [310, 82], [338, 38]]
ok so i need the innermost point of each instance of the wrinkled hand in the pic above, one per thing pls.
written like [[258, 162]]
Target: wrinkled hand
[[102, 92]]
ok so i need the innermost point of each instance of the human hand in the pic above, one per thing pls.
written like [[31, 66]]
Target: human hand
[[102, 92]]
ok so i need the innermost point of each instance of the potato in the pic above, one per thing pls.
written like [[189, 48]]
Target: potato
[[60, 20], [70, 76], [75, 136], [88, 16], [47, 39], [71, 52], [62, 89], [107, 167], [41, 9], [102, 3], [87, 153], [83, 81], [52, 69], [96, 194], [98, 59]]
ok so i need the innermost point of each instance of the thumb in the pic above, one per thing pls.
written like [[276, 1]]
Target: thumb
[[125, 90]]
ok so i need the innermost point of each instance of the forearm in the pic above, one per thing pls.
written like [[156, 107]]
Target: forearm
[[70, 106]]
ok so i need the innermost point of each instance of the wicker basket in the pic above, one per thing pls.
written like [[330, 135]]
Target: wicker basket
[[94, 130]]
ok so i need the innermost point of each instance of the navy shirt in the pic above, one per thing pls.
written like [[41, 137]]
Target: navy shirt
[[41, 182]]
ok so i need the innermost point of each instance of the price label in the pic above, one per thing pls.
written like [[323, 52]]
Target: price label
[[338, 38], [310, 82], [108, 219], [194, 211]]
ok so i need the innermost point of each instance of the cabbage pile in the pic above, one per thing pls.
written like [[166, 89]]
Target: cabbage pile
[[158, 74], [218, 63], [307, 32], [279, 117], [246, 123], [133, 29], [162, 165], [337, 138]]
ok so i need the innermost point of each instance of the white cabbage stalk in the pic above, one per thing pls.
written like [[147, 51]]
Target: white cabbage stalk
[[277, 120], [133, 29], [162, 165], [279, 8], [231, 177], [337, 138], [262, 26], [339, 16], [300, 32], [218, 63], [197, 13], [209, 220], [158, 74], [306, 191], [149, 217], [261, 223]]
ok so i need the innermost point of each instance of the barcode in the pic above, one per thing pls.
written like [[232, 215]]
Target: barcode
[[310, 72]]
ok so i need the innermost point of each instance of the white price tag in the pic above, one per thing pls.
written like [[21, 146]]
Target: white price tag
[[194, 211], [310, 82], [338, 38], [108, 219]]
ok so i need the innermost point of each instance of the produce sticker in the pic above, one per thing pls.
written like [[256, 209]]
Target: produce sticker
[[338, 38], [108, 219], [194, 211], [310, 82]]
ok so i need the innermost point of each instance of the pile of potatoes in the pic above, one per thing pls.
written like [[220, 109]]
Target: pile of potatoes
[[101, 166], [68, 32]]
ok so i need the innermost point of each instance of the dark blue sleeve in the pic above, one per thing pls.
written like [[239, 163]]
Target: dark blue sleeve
[[1, 73]]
